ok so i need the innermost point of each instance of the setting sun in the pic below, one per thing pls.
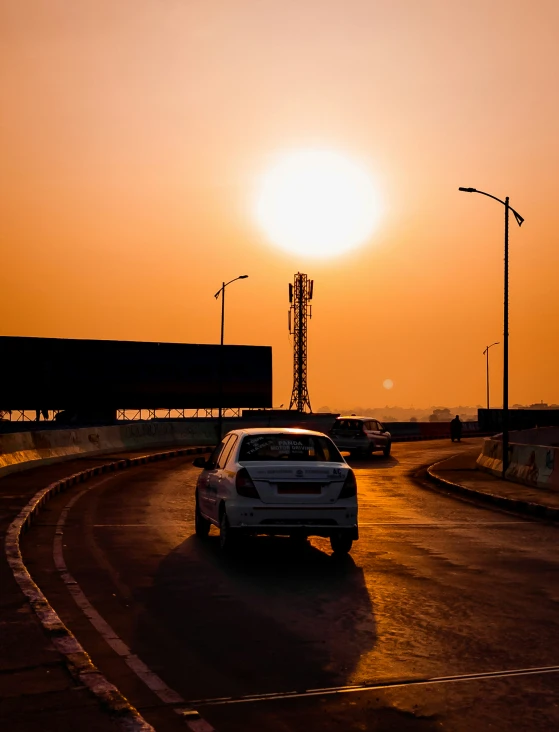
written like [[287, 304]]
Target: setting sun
[[317, 203]]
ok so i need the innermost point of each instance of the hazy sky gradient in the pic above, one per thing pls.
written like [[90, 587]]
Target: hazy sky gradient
[[133, 134]]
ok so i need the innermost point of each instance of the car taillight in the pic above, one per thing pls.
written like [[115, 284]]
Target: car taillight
[[244, 485], [350, 486]]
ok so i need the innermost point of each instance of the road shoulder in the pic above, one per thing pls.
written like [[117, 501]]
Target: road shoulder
[[459, 475], [44, 682]]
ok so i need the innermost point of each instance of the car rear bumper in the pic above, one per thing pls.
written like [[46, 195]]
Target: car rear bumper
[[308, 520], [348, 445]]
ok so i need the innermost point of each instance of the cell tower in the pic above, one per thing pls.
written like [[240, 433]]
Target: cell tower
[[300, 295]]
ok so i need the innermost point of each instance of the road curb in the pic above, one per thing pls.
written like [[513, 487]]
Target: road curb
[[526, 508], [78, 662]]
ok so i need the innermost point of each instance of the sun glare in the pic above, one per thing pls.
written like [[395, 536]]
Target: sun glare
[[317, 203]]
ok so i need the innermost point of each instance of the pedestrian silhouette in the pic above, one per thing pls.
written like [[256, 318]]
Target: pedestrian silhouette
[[456, 429]]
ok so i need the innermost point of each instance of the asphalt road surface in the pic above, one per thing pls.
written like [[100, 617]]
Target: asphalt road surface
[[445, 615]]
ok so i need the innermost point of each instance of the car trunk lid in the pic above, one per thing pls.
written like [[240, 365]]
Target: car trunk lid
[[298, 483]]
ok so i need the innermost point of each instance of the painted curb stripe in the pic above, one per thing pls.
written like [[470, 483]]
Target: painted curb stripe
[[77, 660], [150, 679]]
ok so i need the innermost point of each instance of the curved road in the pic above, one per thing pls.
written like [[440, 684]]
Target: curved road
[[435, 587]]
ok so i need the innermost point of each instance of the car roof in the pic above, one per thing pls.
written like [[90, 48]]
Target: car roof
[[354, 416], [274, 431]]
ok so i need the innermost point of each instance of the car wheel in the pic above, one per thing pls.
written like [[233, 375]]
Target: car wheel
[[386, 451], [201, 525], [227, 539], [341, 543]]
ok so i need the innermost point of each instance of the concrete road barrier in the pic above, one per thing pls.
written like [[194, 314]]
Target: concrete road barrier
[[405, 431], [23, 450], [529, 463]]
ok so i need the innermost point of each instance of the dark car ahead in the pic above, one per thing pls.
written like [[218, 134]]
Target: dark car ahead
[[361, 435]]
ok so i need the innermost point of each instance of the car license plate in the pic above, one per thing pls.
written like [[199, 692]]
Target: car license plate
[[306, 489]]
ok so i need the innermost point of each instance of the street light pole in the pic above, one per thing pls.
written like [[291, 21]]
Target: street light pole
[[519, 220], [221, 292], [506, 346], [222, 313], [486, 353]]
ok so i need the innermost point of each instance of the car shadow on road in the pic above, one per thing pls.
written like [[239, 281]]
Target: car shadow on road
[[271, 617], [372, 462]]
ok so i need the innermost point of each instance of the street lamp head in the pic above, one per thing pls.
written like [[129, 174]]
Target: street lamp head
[[222, 288], [518, 217], [468, 190], [490, 346]]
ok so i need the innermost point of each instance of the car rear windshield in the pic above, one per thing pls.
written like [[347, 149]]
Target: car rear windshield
[[348, 424], [289, 447]]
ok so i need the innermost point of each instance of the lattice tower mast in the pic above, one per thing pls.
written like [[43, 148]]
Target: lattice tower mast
[[300, 295]]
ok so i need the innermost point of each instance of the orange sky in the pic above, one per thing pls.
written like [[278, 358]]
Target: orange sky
[[133, 133]]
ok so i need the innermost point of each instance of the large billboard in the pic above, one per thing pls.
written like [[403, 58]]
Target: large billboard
[[57, 373]]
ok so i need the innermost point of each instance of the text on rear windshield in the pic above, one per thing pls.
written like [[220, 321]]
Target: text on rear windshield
[[310, 448]]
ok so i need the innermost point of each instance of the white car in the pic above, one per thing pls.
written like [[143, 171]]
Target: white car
[[277, 481]]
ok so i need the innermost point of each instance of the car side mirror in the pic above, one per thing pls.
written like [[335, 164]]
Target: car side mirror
[[200, 462]]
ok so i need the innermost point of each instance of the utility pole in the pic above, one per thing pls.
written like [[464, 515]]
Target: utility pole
[[300, 295], [506, 346], [486, 354]]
